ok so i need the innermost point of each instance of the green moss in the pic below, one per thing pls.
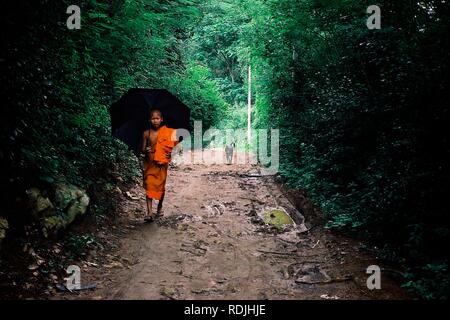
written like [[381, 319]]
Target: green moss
[[277, 218], [51, 225]]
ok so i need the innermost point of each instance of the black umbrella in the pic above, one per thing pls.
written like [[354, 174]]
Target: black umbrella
[[130, 115]]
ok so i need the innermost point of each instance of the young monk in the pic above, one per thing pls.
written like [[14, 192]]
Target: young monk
[[157, 145]]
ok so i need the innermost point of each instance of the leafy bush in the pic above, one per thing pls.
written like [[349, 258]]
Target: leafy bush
[[78, 244]]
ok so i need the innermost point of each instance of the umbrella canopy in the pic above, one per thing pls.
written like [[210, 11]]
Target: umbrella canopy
[[130, 114]]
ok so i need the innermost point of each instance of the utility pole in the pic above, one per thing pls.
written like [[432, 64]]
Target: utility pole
[[249, 107]]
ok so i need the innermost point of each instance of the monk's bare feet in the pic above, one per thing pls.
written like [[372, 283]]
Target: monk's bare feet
[[160, 212], [149, 219]]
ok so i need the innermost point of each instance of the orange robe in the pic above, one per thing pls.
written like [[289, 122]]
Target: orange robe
[[156, 163]]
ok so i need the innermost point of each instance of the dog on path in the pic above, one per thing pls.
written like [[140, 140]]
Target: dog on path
[[229, 149]]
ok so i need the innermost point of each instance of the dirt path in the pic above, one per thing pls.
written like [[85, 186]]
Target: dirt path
[[210, 245]]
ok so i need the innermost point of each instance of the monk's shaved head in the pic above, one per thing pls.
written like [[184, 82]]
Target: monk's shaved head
[[152, 112]]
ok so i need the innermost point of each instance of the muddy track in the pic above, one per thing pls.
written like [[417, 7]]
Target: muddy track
[[211, 245]]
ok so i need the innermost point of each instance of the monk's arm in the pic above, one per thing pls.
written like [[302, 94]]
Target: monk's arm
[[144, 141]]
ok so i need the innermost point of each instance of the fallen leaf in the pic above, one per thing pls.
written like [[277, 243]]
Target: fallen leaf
[[129, 195], [91, 264], [167, 292], [114, 264]]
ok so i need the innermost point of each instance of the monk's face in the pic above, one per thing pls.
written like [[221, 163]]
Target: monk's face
[[156, 119]]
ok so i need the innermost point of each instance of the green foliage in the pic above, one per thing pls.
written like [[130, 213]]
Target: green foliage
[[78, 244], [431, 282], [198, 90]]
